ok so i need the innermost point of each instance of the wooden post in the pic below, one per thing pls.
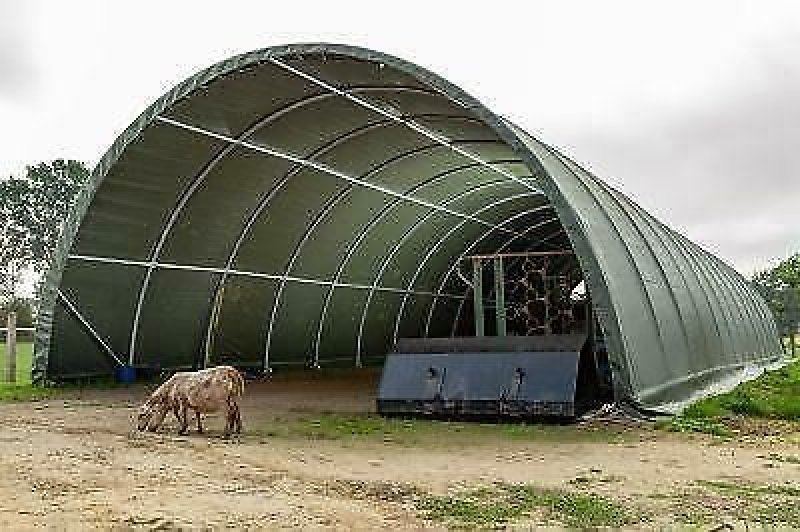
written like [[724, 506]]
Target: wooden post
[[11, 347]]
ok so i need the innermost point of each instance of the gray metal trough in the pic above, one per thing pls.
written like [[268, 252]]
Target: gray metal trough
[[514, 376]]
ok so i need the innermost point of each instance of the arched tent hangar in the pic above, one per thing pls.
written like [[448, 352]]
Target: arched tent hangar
[[315, 205]]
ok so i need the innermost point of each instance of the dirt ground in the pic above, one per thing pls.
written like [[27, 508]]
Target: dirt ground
[[73, 463]]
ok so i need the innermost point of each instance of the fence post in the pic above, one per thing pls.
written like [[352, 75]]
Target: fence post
[[11, 347]]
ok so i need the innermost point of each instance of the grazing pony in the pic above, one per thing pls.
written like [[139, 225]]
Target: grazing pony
[[205, 391]]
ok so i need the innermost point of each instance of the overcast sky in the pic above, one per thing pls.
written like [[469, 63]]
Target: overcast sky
[[693, 108]]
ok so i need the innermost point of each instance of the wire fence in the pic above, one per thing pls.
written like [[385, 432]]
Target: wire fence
[[24, 334]]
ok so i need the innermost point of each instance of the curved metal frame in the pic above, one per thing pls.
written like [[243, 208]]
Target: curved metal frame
[[400, 119], [427, 216], [266, 198], [657, 230], [398, 245], [355, 244], [324, 169], [327, 208], [673, 298], [189, 191]]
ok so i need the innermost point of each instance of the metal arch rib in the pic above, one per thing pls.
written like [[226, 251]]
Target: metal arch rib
[[675, 252], [317, 166], [612, 194], [186, 195], [354, 245], [267, 198], [646, 296], [755, 321], [88, 326], [290, 265], [721, 293], [440, 290], [435, 248], [717, 309], [400, 119], [460, 309], [387, 260], [327, 208]]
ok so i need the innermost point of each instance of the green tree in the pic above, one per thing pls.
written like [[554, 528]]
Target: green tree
[[33, 209], [780, 286], [24, 307]]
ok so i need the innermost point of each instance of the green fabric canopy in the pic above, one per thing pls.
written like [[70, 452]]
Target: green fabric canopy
[[308, 204]]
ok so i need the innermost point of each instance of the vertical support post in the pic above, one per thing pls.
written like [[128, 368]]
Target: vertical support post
[[11, 348], [499, 290], [477, 295], [793, 341]]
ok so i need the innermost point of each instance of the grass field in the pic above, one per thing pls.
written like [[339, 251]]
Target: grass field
[[787, 343], [774, 395], [21, 390]]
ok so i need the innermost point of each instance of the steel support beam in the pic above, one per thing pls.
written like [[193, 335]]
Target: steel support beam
[[295, 254], [400, 119], [187, 194], [270, 195], [500, 295], [477, 296], [273, 152], [257, 275], [72, 309]]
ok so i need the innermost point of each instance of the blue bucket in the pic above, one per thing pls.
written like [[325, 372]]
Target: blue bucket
[[126, 374]]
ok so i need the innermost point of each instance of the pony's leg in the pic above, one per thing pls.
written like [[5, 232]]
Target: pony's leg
[[184, 428], [199, 424], [228, 420], [238, 418]]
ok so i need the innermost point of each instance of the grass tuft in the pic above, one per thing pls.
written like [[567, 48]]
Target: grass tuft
[[503, 503], [687, 425], [786, 459], [750, 489], [372, 427]]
